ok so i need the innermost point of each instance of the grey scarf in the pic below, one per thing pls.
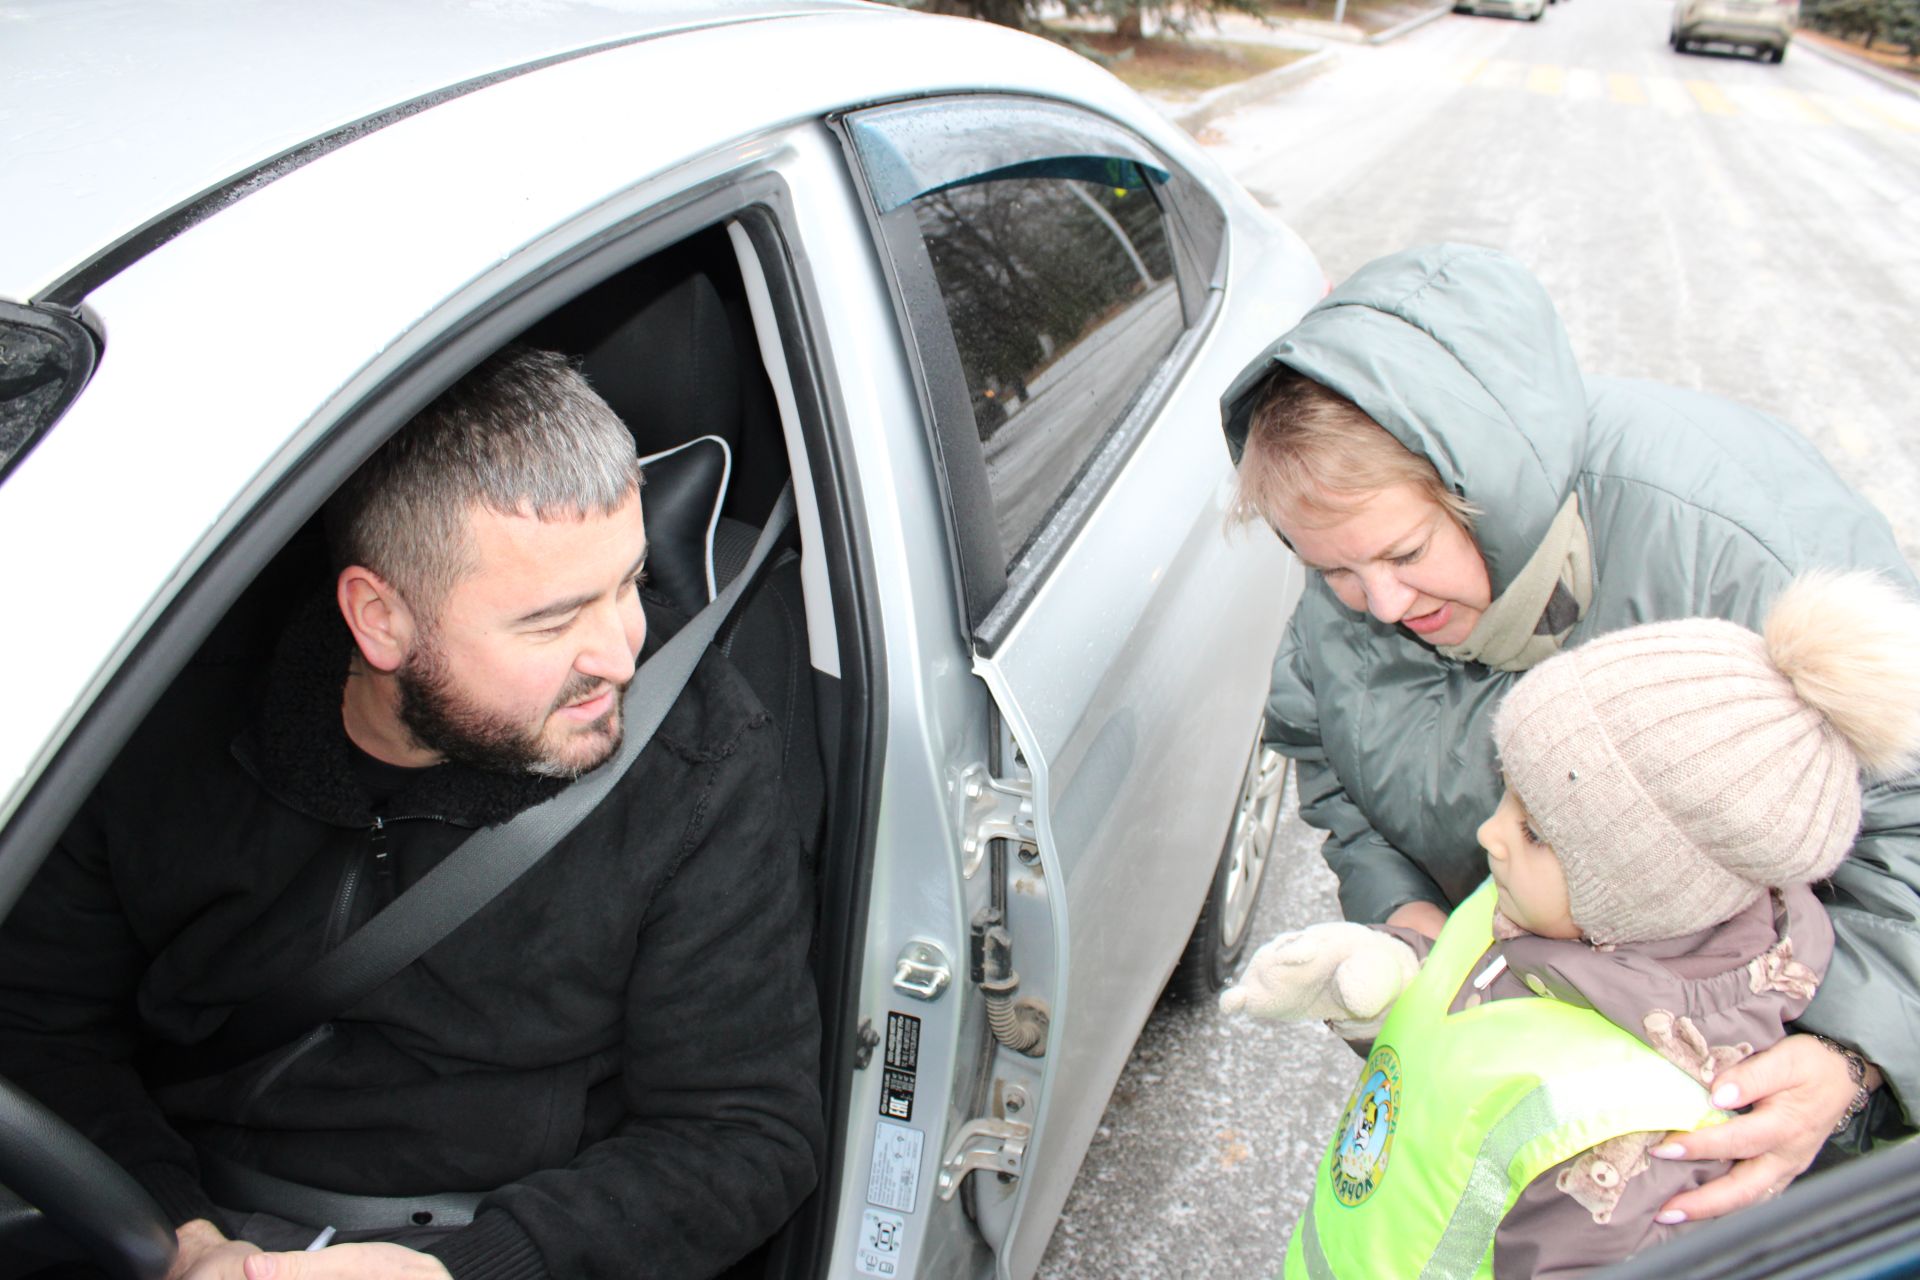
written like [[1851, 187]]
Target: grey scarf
[[1532, 617]]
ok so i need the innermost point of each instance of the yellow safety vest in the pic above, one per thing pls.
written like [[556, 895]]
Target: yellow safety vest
[[1455, 1114]]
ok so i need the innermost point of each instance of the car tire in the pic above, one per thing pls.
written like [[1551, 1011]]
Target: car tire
[[1220, 935]]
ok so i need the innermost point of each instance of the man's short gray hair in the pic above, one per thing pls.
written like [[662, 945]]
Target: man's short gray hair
[[521, 434]]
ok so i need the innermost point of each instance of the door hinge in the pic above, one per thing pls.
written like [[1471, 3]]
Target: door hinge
[[996, 1145], [992, 809]]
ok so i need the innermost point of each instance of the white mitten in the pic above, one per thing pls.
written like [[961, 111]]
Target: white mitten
[[1340, 971]]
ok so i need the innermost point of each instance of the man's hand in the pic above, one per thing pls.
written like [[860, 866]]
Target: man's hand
[[1798, 1090], [1421, 917], [347, 1262], [204, 1253]]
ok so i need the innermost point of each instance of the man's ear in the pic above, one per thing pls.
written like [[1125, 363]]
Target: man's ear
[[383, 626]]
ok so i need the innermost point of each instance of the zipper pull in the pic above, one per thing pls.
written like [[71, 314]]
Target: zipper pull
[[382, 856], [1488, 974]]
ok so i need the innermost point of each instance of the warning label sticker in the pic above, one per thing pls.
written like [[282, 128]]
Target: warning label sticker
[[896, 1094], [881, 1236], [903, 1058], [903, 1042], [894, 1181]]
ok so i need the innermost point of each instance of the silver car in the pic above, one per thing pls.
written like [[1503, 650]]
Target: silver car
[[1764, 27], [971, 295], [1531, 10]]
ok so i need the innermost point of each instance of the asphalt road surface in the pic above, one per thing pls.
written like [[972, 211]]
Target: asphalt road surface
[[1747, 229]]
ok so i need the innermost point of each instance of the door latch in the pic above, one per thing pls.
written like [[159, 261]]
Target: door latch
[[922, 971], [992, 809], [996, 1145]]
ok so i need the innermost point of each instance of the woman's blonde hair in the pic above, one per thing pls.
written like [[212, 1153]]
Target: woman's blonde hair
[[1312, 451]]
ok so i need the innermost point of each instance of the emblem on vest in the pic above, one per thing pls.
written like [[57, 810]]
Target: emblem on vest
[[1365, 1137]]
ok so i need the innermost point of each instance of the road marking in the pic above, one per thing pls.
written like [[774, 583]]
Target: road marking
[[1583, 85], [1685, 97], [1711, 100], [1803, 106], [1849, 112], [1500, 73], [1624, 88], [1880, 112], [1666, 94]]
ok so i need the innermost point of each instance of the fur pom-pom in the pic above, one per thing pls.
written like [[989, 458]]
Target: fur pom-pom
[[1850, 644]]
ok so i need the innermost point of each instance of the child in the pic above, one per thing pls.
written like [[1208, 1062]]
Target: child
[[1672, 790]]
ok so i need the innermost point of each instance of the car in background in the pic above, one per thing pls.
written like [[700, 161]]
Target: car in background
[[965, 292], [1527, 9], [1762, 27]]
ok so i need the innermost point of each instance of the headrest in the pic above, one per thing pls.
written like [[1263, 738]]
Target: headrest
[[670, 370], [685, 486]]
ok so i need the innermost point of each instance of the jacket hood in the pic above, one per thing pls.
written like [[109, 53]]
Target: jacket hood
[[1458, 352]]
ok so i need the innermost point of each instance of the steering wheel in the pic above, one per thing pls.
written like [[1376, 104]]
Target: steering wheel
[[80, 1191]]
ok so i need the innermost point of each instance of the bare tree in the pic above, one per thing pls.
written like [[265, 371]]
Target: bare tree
[[1178, 16], [1129, 17]]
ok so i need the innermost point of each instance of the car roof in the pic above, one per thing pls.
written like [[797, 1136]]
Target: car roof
[[120, 116]]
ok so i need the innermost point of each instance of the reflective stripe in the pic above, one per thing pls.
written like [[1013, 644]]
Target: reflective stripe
[[1310, 1251], [1483, 1202]]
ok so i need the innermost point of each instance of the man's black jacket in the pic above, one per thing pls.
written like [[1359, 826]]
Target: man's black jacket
[[624, 1043]]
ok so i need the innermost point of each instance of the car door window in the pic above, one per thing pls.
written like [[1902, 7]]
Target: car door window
[[1046, 275], [1058, 282]]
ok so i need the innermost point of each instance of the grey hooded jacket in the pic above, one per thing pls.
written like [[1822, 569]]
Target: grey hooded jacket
[[1695, 507]]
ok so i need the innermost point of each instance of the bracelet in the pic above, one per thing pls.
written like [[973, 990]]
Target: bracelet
[[1856, 1068]]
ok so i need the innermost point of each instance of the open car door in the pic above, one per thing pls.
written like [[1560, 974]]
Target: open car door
[[1060, 278]]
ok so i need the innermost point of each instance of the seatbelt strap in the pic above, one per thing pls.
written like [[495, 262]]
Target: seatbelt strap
[[477, 870]]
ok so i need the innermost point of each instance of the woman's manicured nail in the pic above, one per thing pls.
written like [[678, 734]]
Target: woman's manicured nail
[[1670, 1151], [1726, 1095], [1669, 1217]]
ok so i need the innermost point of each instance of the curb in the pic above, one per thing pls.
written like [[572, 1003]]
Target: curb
[[1903, 83], [1394, 33], [1192, 116]]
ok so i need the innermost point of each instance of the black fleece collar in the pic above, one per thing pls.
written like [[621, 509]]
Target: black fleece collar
[[296, 745]]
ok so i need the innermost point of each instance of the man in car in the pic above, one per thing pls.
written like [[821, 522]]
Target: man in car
[[620, 1049]]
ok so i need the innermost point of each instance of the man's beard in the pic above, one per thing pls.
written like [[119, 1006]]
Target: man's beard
[[442, 720]]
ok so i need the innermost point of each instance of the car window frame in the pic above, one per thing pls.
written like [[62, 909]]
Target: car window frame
[[992, 590]]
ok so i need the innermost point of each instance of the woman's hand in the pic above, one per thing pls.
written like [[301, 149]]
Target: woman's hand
[[1798, 1090], [1421, 917]]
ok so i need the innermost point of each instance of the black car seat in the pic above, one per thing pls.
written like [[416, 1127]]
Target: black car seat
[[675, 357]]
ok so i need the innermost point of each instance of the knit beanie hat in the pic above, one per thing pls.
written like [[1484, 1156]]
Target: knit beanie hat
[[1680, 769]]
